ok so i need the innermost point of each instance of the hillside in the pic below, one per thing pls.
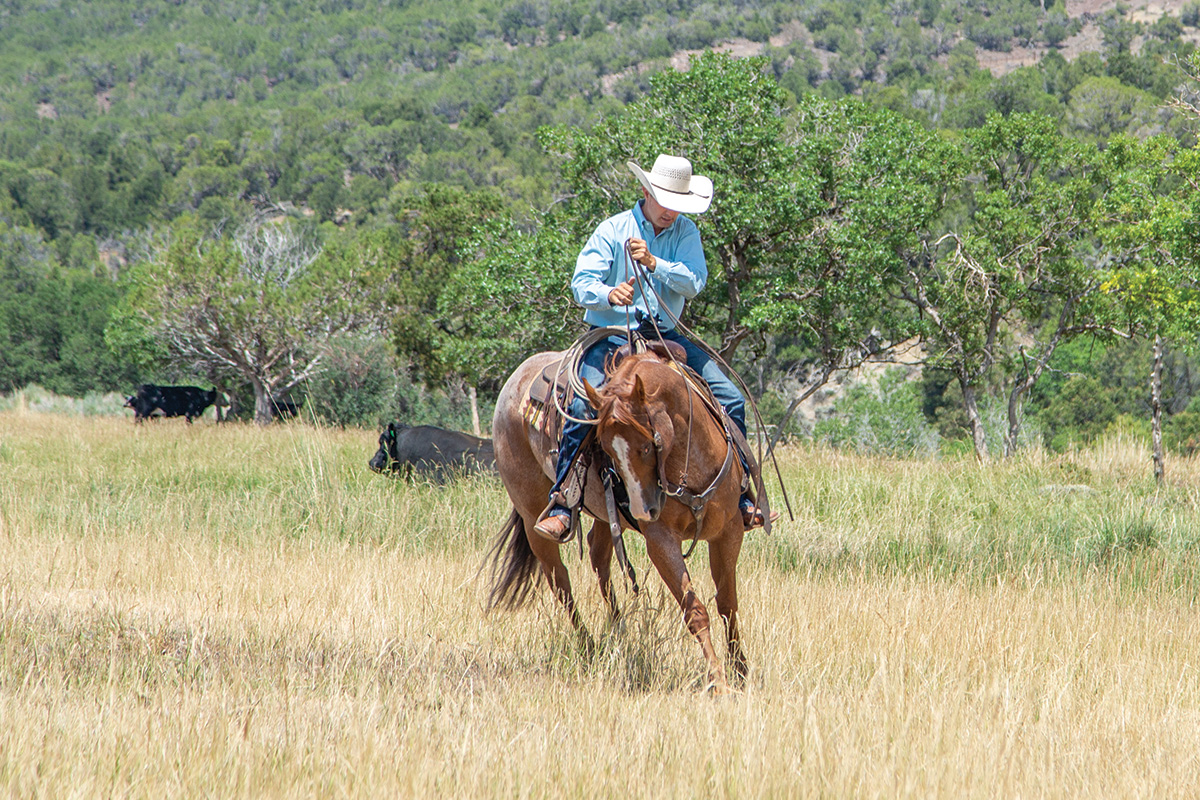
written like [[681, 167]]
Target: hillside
[[410, 127], [1089, 39]]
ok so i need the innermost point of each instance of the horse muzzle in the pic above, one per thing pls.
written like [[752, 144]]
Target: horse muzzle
[[653, 506]]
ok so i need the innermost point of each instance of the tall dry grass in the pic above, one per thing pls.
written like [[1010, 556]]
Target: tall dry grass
[[228, 611]]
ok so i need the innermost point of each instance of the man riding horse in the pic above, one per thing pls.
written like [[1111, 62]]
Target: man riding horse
[[667, 246]]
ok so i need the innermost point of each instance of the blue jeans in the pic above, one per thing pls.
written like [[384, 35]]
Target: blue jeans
[[591, 367]]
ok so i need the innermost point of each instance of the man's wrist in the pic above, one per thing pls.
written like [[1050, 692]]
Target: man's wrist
[[653, 263]]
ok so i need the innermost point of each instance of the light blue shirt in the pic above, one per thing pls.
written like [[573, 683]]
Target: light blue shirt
[[679, 274]]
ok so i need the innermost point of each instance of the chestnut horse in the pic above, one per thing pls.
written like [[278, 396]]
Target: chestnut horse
[[665, 443]]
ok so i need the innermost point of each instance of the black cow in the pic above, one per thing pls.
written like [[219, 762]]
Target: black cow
[[171, 401], [431, 452], [284, 409]]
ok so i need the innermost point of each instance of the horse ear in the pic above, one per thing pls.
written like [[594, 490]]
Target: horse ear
[[639, 390], [592, 395]]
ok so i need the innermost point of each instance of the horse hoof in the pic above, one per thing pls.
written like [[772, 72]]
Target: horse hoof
[[722, 690]]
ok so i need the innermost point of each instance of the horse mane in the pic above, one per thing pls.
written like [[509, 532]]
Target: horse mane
[[615, 396]]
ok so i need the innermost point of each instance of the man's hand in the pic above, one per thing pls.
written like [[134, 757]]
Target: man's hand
[[641, 254], [622, 295]]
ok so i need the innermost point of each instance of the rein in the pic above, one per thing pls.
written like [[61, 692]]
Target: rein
[[644, 283], [697, 502]]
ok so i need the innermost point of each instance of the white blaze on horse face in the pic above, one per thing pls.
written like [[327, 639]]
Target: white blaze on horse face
[[638, 506]]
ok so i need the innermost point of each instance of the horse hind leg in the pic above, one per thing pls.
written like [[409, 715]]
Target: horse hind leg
[[516, 557], [559, 580]]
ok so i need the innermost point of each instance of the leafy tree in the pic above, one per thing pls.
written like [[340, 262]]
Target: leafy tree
[[1153, 219], [433, 224], [1102, 107], [815, 209], [262, 307], [52, 320], [874, 184], [728, 117], [509, 299], [357, 384], [1014, 261]]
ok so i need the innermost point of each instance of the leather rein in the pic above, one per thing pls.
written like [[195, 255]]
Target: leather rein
[[697, 502]]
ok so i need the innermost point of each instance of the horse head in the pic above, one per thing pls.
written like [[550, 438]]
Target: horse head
[[634, 427]]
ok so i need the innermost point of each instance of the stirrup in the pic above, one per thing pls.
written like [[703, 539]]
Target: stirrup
[[545, 520], [752, 517]]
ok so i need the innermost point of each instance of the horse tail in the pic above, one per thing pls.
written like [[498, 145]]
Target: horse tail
[[513, 565]]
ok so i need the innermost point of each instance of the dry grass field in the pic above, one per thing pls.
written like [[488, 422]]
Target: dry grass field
[[204, 611]]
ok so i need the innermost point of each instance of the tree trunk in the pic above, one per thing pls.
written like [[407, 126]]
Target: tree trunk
[[978, 435], [474, 411], [1014, 401], [1014, 420], [224, 403], [796, 401], [1156, 409], [1031, 378], [262, 404]]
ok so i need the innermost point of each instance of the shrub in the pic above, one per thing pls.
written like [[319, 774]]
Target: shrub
[[357, 386], [92, 404], [884, 418], [1190, 15]]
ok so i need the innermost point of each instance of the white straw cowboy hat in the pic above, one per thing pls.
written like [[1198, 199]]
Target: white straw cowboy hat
[[672, 185]]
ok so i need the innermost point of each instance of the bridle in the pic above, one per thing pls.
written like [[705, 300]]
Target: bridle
[[696, 502]]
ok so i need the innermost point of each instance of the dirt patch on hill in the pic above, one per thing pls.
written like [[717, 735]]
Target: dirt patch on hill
[[1089, 39]]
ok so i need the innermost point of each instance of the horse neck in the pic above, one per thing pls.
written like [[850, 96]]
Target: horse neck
[[700, 432]]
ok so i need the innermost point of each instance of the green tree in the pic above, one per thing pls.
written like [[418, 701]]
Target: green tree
[[52, 320], [877, 183], [728, 117], [262, 307], [510, 298], [432, 223], [1152, 226], [1014, 262]]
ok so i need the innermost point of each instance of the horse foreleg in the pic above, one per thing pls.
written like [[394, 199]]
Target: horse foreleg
[[600, 549], [665, 554], [560, 583], [722, 562]]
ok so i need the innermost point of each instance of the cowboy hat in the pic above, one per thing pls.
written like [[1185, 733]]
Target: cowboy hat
[[672, 185]]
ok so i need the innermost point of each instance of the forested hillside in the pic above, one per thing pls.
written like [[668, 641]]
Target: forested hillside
[[433, 150]]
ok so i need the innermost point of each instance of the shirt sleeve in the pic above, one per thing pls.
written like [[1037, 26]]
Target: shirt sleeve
[[687, 275], [592, 270]]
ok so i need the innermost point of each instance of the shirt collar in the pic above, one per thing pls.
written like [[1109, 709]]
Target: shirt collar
[[643, 222]]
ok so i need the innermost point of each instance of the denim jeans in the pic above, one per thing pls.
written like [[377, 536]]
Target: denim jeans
[[591, 368]]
